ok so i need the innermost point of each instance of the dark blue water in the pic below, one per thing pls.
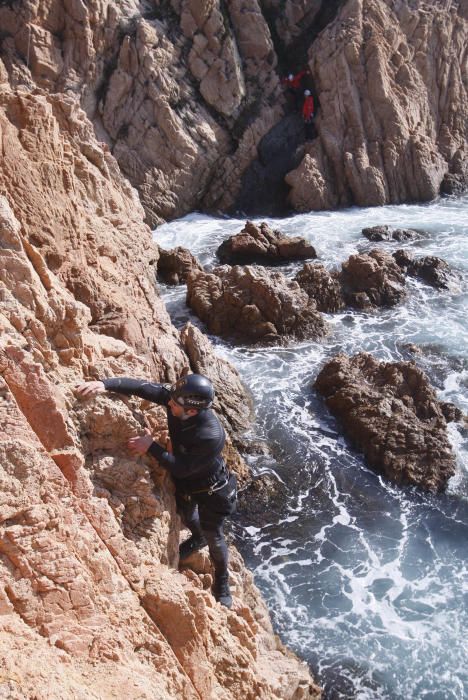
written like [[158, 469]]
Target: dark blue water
[[366, 581]]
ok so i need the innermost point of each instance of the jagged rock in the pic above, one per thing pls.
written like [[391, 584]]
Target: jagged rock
[[372, 279], [391, 413], [261, 244], [232, 400], [431, 269], [321, 286], [88, 534], [253, 304], [385, 233], [452, 413], [175, 265], [393, 110]]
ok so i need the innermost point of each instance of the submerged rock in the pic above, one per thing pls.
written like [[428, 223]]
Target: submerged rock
[[385, 233], [261, 244], [250, 303], [391, 413], [431, 269]]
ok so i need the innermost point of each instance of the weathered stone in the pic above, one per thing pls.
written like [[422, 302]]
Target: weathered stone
[[321, 286], [391, 413], [386, 233], [249, 303], [430, 268], [372, 279], [175, 265], [261, 244]]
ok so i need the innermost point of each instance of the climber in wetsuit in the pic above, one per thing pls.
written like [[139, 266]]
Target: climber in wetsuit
[[205, 491]]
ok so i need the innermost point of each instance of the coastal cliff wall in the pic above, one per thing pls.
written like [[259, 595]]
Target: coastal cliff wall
[[183, 87], [91, 604]]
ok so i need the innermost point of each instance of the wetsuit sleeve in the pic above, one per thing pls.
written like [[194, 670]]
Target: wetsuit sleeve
[[156, 393], [196, 458]]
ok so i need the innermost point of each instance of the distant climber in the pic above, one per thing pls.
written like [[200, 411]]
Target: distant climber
[[205, 490], [308, 115], [294, 86]]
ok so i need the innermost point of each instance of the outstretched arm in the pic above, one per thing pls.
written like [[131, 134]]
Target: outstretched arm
[[157, 393]]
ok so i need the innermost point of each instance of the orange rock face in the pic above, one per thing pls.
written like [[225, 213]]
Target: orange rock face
[[91, 602]]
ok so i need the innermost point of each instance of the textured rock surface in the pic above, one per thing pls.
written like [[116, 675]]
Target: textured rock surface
[[261, 244], [430, 268], [253, 304], [322, 286], [372, 279], [90, 602], [187, 96], [391, 413], [386, 233], [391, 77], [175, 265]]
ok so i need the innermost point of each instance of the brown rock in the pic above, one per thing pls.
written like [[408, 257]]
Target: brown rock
[[175, 265], [390, 412], [372, 279], [386, 233], [393, 111], [430, 268], [321, 286], [252, 304], [261, 244]]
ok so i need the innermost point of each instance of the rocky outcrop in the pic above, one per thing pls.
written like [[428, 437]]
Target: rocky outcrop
[[322, 286], [175, 265], [91, 601], [261, 244], [372, 279], [249, 303], [187, 96], [386, 233], [394, 106], [391, 413], [430, 268]]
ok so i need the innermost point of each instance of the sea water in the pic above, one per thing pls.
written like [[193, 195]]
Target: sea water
[[366, 581]]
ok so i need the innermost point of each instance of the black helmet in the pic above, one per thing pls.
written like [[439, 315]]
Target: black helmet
[[193, 391]]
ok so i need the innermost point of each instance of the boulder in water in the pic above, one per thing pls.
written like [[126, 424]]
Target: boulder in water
[[385, 233], [431, 269], [175, 265], [250, 303], [322, 286], [391, 413], [261, 244], [372, 279]]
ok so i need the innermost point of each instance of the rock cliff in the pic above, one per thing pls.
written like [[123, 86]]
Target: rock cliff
[[181, 87], [91, 602]]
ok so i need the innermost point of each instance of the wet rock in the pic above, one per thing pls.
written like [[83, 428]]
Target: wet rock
[[391, 413], [452, 413], [454, 184], [250, 303], [175, 265], [431, 269], [321, 286], [385, 233], [372, 279], [261, 244]]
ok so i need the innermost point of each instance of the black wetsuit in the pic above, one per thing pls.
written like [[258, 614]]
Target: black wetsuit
[[196, 466]]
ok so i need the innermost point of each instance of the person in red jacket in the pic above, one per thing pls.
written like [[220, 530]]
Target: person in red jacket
[[308, 114], [294, 86]]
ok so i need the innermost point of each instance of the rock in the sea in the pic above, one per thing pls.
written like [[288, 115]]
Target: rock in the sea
[[253, 304], [430, 268], [391, 413], [261, 244], [322, 286], [175, 265], [386, 233], [372, 279]]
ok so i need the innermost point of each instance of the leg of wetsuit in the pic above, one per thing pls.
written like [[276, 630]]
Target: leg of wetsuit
[[217, 546], [188, 511]]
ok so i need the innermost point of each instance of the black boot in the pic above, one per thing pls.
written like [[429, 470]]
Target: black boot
[[221, 590], [193, 544]]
